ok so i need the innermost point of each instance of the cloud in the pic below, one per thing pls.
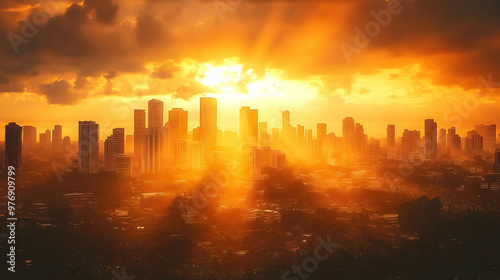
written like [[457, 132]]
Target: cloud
[[193, 89], [60, 92]]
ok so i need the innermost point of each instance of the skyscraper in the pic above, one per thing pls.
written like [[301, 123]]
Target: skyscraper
[[249, 128], [152, 153], [113, 146], [139, 132], [321, 135], [57, 146], [177, 130], [473, 143], [300, 135], [360, 140], [88, 147], [430, 136], [13, 146], [348, 126], [391, 136], [410, 145], [264, 138], [155, 114], [208, 124], [45, 140], [442, 141], [29, 136], [489, 133], [453, 141]]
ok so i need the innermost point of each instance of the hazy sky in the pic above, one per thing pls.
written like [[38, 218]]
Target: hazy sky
[[65, 61]]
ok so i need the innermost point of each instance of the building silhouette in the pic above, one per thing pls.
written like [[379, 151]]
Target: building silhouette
[[29, 136], [208, 124], [88, 147], [431, 140], [13, 146]]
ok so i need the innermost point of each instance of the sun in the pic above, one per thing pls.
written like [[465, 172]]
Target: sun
[[223, 75]]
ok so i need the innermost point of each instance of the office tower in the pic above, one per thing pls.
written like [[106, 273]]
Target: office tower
[[255, 162], [496, 168], [473, 143], [265, 156], [113, 146], [333, 147], [152, 153], [194, 152], [66, 142], [264, 137], [177, 130], [360, 140], [123, 166], [208, 124], [249, 128], [391, 136], [13, 146], [391, 142], [442, 141], [430, 137], [321, 135], [278, 160], [285, 119], [88, 147], [155, 114], [275, 137], [373, 148], [300, 136], [309, 137], [230, 138], [410, 145], [57, 139], [489, 133], [29, 136], [453, 141], [45, 140], [348, 127], [139, 131], [287, 131]]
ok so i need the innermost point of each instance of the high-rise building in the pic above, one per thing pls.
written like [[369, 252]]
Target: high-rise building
[[249, 128], [264, 137], [208, 124], [88, 147], [275, 137], [410, 145], [155, 114], [13, 146], [139, 130], [473, 143], [66, 144], [129, 144], [360, 140], [442, 141], [391, 136], [177, 130], [152, 153], [453, 141], [300, 135], [489, 133], [113, 146], [57, 146], [348, 127], [123, 166], [431, 141], [321, 135], [278, 160], [29, 136], [45, 140]]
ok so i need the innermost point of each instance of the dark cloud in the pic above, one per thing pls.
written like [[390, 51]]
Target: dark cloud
[[60, 92]]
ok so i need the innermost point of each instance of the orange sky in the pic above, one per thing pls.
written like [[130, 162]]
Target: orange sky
[[100, 59]]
